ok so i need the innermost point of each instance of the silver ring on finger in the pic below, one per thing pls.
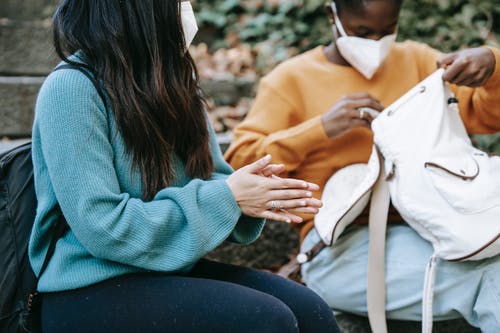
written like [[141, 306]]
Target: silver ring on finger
[[274, 205], [361, 113]]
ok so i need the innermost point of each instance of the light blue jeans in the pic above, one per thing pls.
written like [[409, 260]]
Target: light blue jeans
[[469, 289]]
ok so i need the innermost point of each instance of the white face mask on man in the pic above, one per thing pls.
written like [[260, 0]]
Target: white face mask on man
[[189, 24], [366, 55]]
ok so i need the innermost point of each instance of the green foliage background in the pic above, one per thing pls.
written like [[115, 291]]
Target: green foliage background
[[444, 24], [278, 29]]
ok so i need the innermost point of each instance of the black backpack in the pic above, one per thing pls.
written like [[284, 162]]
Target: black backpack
[[17, 213], [19, 299]]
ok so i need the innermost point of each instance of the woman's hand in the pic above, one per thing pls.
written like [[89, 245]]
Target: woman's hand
[[261, 193], [469, 67], [349, 113]]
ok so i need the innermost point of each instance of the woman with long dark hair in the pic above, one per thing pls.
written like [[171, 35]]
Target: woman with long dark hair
[[135, 170]]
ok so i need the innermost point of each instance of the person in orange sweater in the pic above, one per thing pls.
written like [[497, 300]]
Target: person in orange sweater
[[306, 115]]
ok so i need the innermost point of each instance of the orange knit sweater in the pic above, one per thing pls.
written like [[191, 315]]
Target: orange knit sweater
[[285, 120]]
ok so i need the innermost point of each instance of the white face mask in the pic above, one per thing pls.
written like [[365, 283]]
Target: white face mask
[[366, 55], [189, 24]]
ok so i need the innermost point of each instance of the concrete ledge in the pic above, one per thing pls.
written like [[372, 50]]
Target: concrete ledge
[[18, 96], [34, 55]]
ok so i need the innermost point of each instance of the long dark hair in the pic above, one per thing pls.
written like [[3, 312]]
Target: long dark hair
[[137, 49]]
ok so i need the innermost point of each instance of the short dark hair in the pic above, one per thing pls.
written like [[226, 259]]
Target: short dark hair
[[357, 5]]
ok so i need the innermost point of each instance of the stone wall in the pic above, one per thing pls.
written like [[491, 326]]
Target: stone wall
[[26, 57]]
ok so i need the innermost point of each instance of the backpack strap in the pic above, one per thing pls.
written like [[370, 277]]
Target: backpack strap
[[61, 226], [291, 270], [58, 230], [376, 288], [31, 321], [377, 226]]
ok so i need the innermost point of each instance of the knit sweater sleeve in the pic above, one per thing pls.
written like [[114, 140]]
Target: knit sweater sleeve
[[276, 125], [169, 233]]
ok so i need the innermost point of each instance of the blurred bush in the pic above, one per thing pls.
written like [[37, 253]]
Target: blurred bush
[[449, 25], [278, 29]]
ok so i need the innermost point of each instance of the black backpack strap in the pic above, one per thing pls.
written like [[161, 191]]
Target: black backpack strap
[[58, 230], [32, 320], [90, 76]]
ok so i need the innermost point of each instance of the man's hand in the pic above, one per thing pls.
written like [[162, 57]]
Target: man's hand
[[469, 67], [348, 113]]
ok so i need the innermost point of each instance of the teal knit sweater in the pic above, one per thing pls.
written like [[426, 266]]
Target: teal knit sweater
[[80, 162]]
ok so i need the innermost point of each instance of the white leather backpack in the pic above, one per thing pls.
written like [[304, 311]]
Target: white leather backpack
[[444, 188]]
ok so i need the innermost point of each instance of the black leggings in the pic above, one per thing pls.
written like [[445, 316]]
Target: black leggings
[[213, 297]]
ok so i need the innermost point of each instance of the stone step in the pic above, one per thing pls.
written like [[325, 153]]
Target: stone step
[[18, 96], [26, 47]]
